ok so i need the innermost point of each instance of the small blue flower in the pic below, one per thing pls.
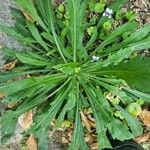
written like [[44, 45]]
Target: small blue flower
[[108, 13], [95, 58]]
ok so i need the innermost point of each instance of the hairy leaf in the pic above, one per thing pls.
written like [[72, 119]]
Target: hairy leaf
[[135, 72]]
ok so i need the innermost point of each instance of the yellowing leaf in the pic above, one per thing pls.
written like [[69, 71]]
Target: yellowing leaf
[[31, 143], [10, 65], [145, 116], [26, 120]]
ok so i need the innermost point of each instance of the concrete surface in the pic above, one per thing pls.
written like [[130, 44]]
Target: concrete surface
[[7, 20]]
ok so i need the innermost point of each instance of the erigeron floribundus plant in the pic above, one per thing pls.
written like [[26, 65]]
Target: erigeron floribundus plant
[[67, 71]]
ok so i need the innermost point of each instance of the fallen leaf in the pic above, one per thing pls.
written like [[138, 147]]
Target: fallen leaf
[[26, 120], [10, 65], [1, 95], [85, 121], [65, 140], [94, 146], [143, 138], [88, 137], [145, 117], [31, 143]]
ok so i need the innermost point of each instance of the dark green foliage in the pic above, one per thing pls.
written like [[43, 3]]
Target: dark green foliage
[[64, 79]]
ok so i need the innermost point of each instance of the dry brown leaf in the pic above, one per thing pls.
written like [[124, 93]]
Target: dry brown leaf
[[85, 121], [1, 95], [143, 138], [26, 120], [145, 117], [94, 146], [91, 118], [31, 143], [65, 140], [10, 65], [28, 17], [88, 137]]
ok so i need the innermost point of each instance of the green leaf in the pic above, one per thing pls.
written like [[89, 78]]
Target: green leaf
[[70, 104], [118, 56], [139, 94], [9, 75], [117, 32], [50, 19], [42, 122], [78, 141], [8, 125], [76, 9], [13, 33], [135, 126], [117, 4], [138, 35], [92, 39], [100, 123], [28, 7], [116, 91], [143, 44], [119, 131], [135, 72], [135, 40], [32, 60], [35, 33], [17, 86], [20, 23]]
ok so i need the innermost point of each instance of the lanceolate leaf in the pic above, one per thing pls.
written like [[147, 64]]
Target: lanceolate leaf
[[13, 33], [118, 31], [100, 123], [76, 10], [50, 20], [117, 4], [70, 104], [78, 141], [10, 75], [14, 87], [135, 72], [135, 126], [139, 94], [8, 118], [28, 7], [138, 35], [119, 131], [31, 60], [35, 33], [43, 121]]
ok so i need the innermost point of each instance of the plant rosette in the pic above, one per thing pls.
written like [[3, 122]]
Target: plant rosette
[[68, 69]]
